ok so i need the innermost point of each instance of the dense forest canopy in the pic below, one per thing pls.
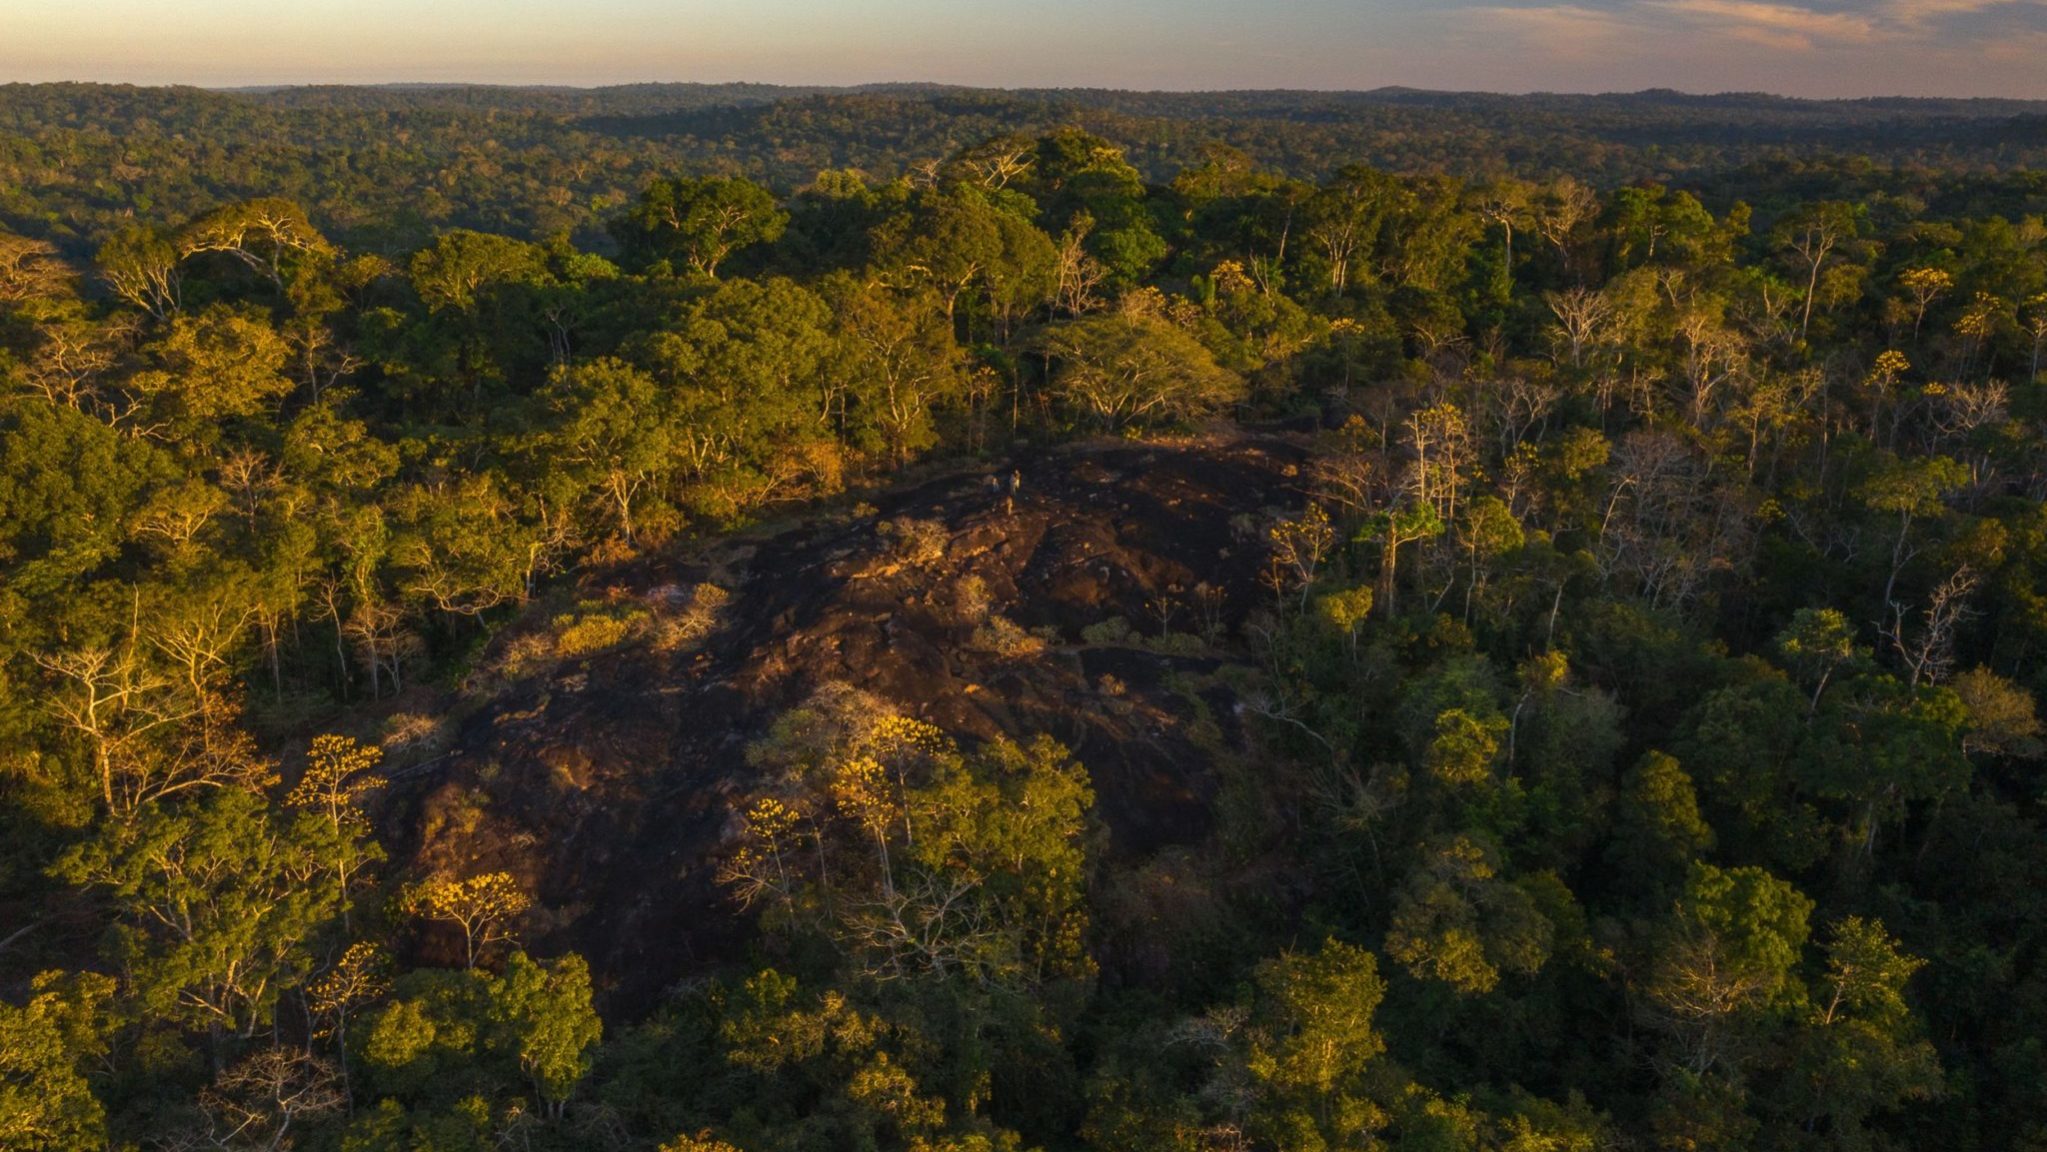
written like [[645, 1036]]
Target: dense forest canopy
[[386, 169], [1605, 701]]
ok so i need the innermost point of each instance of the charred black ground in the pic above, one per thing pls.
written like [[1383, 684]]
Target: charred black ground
[[611, 783]]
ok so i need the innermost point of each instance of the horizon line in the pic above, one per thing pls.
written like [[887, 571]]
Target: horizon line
[[875, 85]]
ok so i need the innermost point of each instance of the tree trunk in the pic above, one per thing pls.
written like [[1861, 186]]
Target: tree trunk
[[1388, 570]]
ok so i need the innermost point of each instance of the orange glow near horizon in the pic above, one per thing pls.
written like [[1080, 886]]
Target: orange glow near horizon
[[1893, 47]]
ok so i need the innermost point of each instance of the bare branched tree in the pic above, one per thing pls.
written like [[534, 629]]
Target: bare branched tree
[[1928, 651]]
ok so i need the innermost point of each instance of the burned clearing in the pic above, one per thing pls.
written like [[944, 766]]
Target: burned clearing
[[1100, 604]]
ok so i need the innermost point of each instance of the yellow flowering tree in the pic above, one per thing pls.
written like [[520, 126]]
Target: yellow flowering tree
[[483, 907]]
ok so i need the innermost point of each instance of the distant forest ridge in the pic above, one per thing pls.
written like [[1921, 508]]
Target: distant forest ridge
[[385, 166], [1282, 101]]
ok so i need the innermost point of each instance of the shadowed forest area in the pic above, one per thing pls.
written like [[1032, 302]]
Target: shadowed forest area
[[738, 619]]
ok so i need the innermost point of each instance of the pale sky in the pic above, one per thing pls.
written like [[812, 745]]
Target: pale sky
[[1794, 47]]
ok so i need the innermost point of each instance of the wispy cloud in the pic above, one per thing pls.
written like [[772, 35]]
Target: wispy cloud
[[1563, 30], [1576, 29], [1919, 14], [1782, 26]]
